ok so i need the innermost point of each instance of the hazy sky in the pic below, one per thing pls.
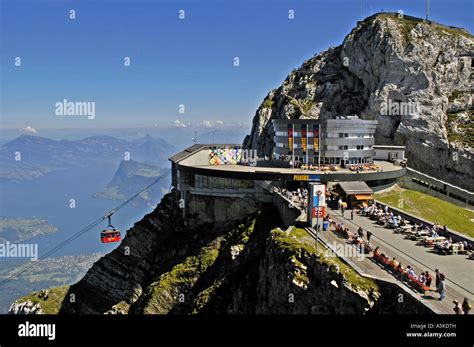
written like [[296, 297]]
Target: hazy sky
[[173, 61]]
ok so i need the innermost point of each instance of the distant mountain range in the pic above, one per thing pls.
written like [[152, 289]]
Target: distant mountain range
[[131, 177], [28, 157]]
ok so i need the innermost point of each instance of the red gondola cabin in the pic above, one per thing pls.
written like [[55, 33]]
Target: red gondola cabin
[[108, 236]]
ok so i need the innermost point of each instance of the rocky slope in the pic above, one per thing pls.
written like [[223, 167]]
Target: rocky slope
[[414, 77], [216, 261]]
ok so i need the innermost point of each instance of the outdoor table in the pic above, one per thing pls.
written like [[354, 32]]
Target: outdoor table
[[430, 241]]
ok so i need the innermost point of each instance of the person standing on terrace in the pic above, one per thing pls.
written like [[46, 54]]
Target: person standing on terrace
[[466, 306], [429, 278], [442, 287]]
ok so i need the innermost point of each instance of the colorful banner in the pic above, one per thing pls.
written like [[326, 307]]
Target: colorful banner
[[303, 137], [290, 138], [225, 156], [316, 138]]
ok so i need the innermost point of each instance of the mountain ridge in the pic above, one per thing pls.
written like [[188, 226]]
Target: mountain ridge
[[40, 155], [384, 60]]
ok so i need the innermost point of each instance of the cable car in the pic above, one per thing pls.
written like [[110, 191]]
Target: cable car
[[110, 234]]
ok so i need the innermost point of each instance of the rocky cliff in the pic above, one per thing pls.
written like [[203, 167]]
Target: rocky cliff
[[414, 77], [216, 261]]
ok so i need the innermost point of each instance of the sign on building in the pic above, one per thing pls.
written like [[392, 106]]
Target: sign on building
[[317, 203], [310, 177]]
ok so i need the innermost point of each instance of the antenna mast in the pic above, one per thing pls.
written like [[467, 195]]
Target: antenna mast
[[427, 9]]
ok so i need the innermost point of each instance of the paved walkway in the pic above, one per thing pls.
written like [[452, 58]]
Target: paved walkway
[[458, 269]]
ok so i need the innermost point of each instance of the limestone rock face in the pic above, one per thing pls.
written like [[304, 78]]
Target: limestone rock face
[[151, 249], [414, 77]]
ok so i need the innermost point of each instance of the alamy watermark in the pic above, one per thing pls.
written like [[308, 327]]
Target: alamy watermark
[[19, 250], [249, 156], [75, 108], [28, 329], [400, 108], [346, 251]]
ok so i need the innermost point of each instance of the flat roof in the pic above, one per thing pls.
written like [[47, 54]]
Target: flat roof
[[187, 152], [195, 159], [355, 188]]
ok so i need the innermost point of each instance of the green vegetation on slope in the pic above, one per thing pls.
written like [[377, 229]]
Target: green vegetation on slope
[[299, 242], [268, 103], [461, 130], [408, 23], [50, 303], [430, 208], [165, 292]]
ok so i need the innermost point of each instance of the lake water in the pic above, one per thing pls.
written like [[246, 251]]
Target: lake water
[[49, 197]]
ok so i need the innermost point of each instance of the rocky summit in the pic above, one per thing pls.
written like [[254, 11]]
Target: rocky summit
[[413, 76]]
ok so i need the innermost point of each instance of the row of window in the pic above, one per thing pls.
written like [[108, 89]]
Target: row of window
[[339, 161], [328, 147], [347, 147], [329, 135], [295, 145], [349, 136], [211, 182], [326, 161], [295, 134]]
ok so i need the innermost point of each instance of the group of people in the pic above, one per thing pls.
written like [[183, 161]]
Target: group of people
[[360, 237], [447, 246], [299, 196], [423, 280], [364, 167], [463, 308], [383, 216]]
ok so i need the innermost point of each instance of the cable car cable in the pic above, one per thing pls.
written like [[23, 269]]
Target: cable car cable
[[80, 232]]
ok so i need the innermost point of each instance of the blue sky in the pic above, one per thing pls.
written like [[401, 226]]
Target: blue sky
[[173, 61]]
